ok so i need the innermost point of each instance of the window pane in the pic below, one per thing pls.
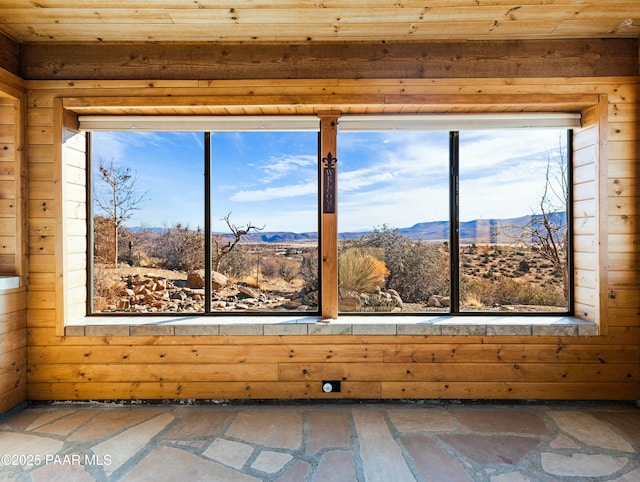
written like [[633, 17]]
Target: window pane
[[264, 215], [513, 229], [393, 212], [148, 215]]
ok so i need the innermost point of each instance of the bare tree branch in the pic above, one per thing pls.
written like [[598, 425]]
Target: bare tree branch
[[221, 250], [546, 231], [120, 198]]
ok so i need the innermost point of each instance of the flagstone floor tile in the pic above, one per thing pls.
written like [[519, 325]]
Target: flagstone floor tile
[[327, 428], [382, 458], [337, 466], [228, 452], [502, 421], [270, 427], [418, 420], [316, 442], [589, 430]]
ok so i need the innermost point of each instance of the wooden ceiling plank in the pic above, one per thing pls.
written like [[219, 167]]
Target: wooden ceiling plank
[[282, 21], [65, 16]]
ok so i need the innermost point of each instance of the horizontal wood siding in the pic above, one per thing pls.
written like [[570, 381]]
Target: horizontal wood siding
[[13, 302], [492, 367], [13, 348], [585, 216]]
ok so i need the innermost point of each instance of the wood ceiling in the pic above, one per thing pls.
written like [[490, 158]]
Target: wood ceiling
[[301, 21]]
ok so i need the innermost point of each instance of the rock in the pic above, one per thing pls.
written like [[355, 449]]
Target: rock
[[397, 301], [218, 280], [194, 280], [250, 292], [178, 295]]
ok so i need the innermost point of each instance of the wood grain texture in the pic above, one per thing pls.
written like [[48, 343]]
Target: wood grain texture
[[9, 54], [13, 242], [530, 58], [256, 367], [263, 22]]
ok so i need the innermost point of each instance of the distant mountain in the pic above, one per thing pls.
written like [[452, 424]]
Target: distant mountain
[[480, 230], [476, 231]]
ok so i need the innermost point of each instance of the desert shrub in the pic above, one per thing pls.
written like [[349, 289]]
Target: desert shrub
[[106, 288], [475, 292], [180, 248], [524, 266], [287, 269], [269, 267], [103, 241], [238, 263], [508, 291], [417, 270], [273, 267], [359, 271], [309, 269]]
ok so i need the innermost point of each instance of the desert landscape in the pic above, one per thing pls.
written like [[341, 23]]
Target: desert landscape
[[382, 271]]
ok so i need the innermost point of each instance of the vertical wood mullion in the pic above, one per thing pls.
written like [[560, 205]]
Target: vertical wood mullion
[[328, 220]]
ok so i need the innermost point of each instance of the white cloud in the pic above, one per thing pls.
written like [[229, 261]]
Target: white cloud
[[279, 167], [270, 193]]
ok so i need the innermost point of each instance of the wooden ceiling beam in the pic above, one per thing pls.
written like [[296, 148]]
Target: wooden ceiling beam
[[437, 59], [9, 55]]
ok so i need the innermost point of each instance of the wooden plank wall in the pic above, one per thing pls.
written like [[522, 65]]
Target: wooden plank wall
[[214, 367], [9, 182], [13, 302], [585, 216]]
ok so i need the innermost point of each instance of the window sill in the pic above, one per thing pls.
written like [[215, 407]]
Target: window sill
[[346, 325], [9, 282]]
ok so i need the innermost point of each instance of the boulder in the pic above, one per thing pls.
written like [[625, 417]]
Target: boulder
[[195, 281], [250, 292], [218, 280]]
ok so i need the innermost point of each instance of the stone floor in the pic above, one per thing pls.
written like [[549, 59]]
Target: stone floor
[[446, 442]]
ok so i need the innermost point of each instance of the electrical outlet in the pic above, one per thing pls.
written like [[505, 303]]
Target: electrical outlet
[[330, 386]]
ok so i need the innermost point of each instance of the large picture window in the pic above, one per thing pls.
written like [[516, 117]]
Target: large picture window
[[513, 239], [442, 221], [192, 222], [393, 222]]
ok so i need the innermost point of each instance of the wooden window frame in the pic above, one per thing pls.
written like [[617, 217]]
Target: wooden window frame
[[596, 116], [13, 200]]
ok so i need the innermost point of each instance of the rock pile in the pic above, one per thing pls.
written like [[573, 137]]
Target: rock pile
[[388, 300], [152, 293]]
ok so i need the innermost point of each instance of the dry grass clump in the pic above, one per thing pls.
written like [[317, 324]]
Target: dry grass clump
[[361, 272]]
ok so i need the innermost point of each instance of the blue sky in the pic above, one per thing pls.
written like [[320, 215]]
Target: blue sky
[[270, 178]]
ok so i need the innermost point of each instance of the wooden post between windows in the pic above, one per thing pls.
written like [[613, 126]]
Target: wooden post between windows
[[328, 214]]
